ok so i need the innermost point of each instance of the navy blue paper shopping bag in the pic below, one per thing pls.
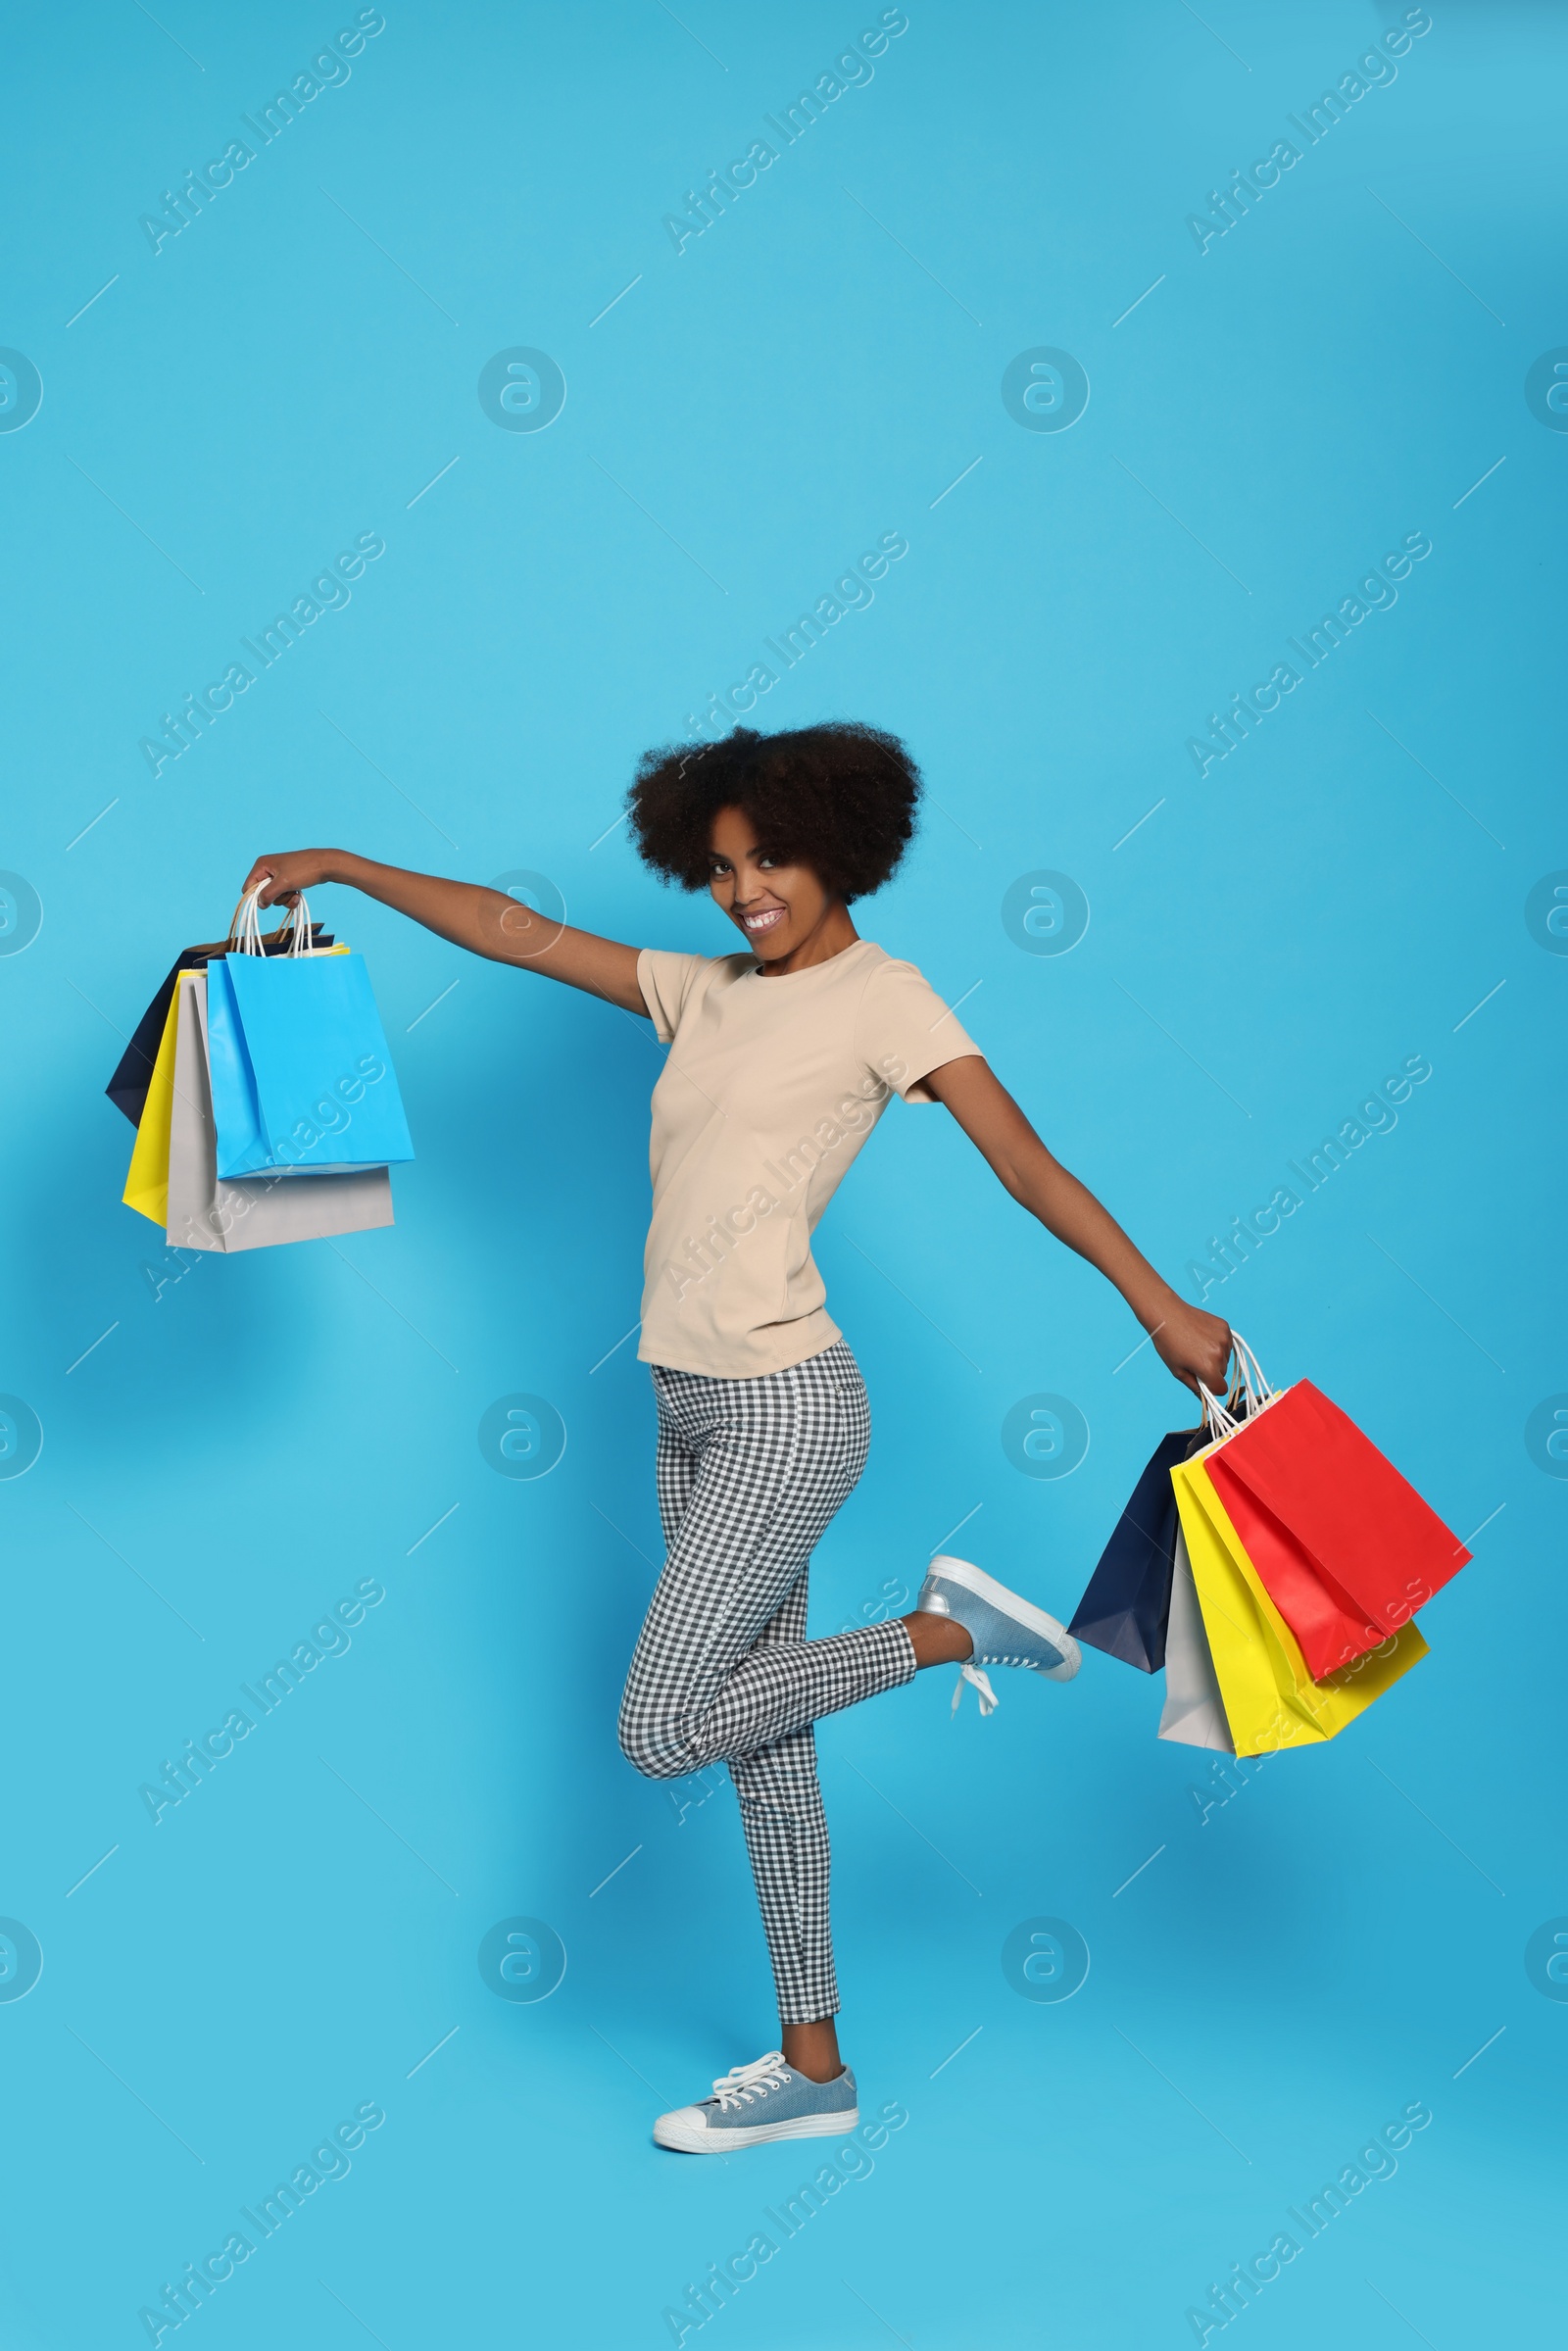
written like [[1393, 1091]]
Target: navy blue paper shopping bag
[[1127, 1604]]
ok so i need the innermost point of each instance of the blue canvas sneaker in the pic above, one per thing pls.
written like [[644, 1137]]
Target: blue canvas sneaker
[[1004, 1630], [753, 2103]]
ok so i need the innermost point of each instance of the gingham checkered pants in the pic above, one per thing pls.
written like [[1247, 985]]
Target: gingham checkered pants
[[750, 1474]]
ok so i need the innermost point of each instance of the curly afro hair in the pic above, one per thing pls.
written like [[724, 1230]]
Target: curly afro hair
[[838, 798]]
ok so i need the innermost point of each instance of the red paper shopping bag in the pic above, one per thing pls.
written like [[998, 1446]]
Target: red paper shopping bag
[[1330, 1629], [1345, 1547]]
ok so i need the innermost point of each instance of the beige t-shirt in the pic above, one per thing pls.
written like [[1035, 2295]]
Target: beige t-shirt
[[772, 1087]]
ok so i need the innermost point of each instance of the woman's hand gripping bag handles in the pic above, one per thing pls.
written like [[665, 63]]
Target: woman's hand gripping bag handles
[[300, 1074], [1270, 1698], [1346, 1548]]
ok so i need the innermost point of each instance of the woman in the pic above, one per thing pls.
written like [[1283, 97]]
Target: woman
[[782, 1059]]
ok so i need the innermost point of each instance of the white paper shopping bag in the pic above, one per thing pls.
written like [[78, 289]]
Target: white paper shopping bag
[[1194, 1712], [252, 1211]]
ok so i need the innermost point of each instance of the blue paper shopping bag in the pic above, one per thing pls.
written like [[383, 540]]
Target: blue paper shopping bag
[[300, 1069]]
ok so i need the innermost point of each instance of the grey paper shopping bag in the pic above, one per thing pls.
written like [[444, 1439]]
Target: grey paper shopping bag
[[1194, 1712], [252, 1211]]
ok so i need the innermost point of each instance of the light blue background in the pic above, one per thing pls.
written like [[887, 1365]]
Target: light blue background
[[260, 1433]]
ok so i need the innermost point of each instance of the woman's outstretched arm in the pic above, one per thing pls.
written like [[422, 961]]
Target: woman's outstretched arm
[[487, 922], [1194, 1346]]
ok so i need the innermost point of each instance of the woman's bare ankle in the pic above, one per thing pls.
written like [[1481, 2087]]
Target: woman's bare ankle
[[937, 1640], [812, 2049]]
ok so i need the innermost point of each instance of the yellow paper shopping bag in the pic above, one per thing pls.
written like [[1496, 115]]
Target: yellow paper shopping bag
[[1271, 1701], [147, 1183]]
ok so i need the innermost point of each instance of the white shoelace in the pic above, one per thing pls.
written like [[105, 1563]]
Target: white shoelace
[[974, 1674], [743, 2083]]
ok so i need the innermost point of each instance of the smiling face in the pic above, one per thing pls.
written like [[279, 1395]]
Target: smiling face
[[782, 911]]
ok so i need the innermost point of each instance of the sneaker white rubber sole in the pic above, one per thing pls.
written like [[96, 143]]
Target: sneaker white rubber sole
[[694, 2138], [1024, 1613]]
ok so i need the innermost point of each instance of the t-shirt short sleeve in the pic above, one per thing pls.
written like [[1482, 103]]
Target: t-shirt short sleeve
[[905, 1031], [667, 980]]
